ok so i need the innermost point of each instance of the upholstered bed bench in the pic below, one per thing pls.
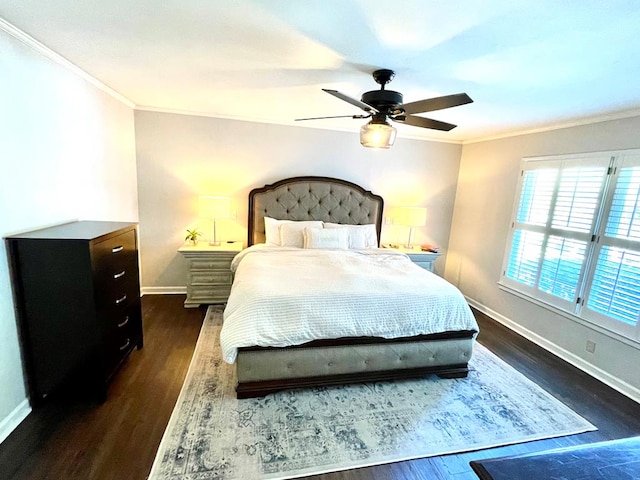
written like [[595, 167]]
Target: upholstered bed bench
[[613, 460], [263, 370]]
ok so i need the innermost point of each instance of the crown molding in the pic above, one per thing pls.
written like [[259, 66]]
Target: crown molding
[[144, 108], [60, 60], [560, 125], [515, 133]]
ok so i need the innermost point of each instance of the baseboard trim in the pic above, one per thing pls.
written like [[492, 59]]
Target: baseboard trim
[[605, 377], [14, 419], [163, 291]]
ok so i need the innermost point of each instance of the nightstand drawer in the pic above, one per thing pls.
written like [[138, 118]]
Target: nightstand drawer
[[428, 265], [206, 294], [425, 260], [211, 278], [219, 262]]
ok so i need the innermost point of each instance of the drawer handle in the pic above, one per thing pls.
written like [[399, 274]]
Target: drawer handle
[[127, 343], [117, 249], [124, 322], [118, 275], [121, 299]]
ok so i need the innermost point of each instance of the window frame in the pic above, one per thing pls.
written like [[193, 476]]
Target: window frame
[[595, 239]]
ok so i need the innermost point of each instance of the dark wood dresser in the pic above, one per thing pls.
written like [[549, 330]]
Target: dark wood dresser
[[77, 293]]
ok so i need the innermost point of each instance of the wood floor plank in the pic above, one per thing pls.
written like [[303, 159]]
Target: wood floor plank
[[77, 438], [73, 438]]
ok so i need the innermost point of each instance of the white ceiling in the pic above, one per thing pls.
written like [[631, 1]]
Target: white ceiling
[[526, 64]]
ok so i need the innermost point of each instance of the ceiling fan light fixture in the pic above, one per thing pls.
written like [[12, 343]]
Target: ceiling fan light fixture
[[376, 134], [385, 104]]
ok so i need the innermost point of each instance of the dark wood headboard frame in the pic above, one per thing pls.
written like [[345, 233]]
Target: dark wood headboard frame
[[312, 198]]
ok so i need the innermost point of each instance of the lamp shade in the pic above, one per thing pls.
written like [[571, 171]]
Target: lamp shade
[[377, 135], [411, 216], [215, 207]]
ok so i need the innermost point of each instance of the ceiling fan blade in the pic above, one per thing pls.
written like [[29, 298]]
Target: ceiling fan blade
[[437, 103], [337, 116], [424, 122], [351, 100]]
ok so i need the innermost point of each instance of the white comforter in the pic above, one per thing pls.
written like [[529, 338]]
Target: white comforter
[[288, 296]]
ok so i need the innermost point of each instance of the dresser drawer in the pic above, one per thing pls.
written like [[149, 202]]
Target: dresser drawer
[[122, 332], [119, 317], [121, 337], [115, 253], [116, 295], [116, 271], [116, 348]]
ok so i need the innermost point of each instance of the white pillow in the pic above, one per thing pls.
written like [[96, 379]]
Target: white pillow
[[360, 236], [272, 230], [291, 232], [326, 238]]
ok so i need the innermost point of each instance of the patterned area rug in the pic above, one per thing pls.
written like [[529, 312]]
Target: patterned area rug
[[212, 435]]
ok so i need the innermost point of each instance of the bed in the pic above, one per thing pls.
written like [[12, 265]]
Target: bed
[[403, 344]]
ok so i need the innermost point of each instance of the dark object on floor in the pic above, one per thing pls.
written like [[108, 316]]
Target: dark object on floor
[[617, 459]]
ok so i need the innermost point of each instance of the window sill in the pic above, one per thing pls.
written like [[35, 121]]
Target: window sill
[[581, 321]]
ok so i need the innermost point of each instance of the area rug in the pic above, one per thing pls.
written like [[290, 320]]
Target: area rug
[[212, 435]]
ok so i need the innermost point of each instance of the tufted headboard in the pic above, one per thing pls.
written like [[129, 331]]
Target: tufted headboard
[[312, 198]]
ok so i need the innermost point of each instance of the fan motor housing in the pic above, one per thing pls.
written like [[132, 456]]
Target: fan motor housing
[[382, 99]]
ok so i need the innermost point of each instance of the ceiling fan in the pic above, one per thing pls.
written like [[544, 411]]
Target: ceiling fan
[[382, 104]]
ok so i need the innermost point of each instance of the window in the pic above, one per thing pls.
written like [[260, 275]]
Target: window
[[575, 237]]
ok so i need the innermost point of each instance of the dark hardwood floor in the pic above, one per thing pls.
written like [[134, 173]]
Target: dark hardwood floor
[[78, 438]]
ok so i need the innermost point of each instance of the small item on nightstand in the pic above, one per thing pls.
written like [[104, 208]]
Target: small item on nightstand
[[429, 248], [192, 236]]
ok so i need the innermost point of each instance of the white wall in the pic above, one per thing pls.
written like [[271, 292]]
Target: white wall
[[486, 187], [181, 157], [68, 152]]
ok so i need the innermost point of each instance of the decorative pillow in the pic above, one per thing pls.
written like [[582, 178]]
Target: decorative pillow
[[291, 232], [326, 238], [360, 236], [272, 230]]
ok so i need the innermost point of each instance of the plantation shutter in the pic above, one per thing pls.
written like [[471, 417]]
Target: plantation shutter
[[532, 217], [615, 284], [575, 237], [553, 227]]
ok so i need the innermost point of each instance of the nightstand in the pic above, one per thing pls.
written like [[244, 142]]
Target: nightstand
[[425, 260], [209, 274]]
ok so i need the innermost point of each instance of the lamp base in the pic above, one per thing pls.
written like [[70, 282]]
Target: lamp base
[[408, 245], [214, 244]]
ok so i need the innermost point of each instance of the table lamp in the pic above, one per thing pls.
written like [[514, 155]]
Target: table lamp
[[411, 217], [214, 207]]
